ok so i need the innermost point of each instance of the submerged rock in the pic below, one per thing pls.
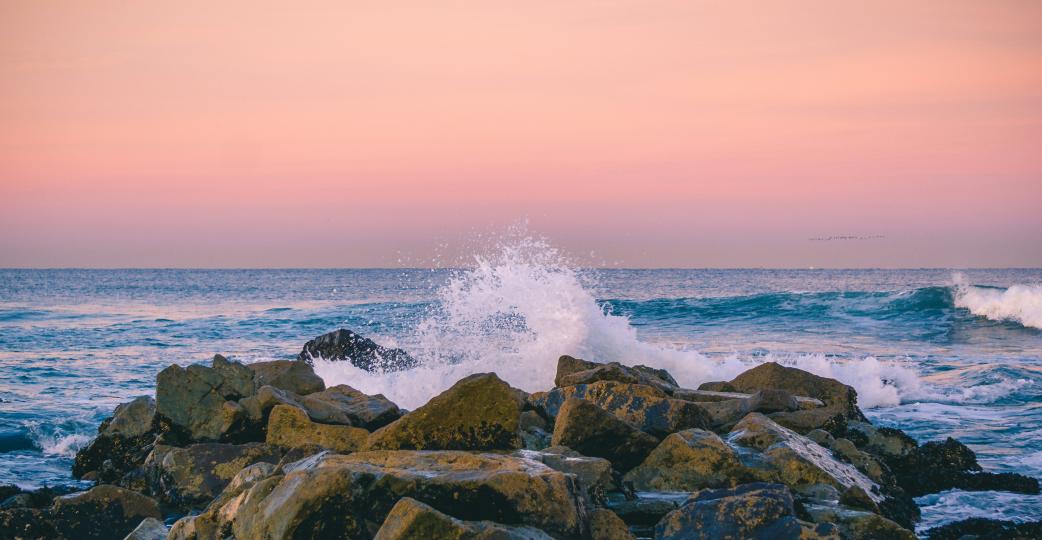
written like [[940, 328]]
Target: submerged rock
[[296, 377], [411, 519], [340, 496], [949, 464], [479, 412], [751, 511], [590, 430], [362, 352], [290, 427]]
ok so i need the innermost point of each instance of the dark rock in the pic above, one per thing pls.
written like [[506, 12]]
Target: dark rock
[[589, 430], [938, 466], [27, 524], [411, 519], [296, 377], [15, 497], [123, 442], [858, 524], [190, 477], [986, 529], [479, 412], [362, 352], [102, 513]]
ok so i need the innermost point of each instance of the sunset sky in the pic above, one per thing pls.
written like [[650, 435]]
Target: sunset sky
[[630, 133]]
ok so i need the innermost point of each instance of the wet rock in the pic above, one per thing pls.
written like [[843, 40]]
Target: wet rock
[[838, 398], [572, 371], [192, 476], [349, 493], [607, 525], [362, 352], [590, 430], [122, 444], [595, 474], [642, 406], [986, 529], [690, 460], [103, 512], [938, 466], [289, 427], [342, 404], [859, 524], [149, 529], [16, 497], [480, 412], [296, 377], [750, 511], [411, 519], [202, 400]]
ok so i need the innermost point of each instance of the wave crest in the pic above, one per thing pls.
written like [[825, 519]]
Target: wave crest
[[1018, 303]]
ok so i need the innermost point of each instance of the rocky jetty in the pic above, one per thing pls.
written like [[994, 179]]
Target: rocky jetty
[[612, 452]]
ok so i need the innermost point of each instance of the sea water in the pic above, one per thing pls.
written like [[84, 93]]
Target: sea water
[[935, 352]]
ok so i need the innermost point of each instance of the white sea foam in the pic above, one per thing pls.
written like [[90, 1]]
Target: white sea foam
[[518, 310], [1018, 303], [54, 441]]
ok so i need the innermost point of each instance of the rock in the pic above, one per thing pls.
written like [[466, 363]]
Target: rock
[[590, 430], [859, 524], [258, 406], [296, 377], [690, 460], [289, 427], [103, 512], [192, 476], [986, 529], [480, 412], [122, 444], [642, 406], [595, 474], [838, 397], [411, 519], [250, 475], [750, 511], [572, 371], [342, 404], [887, 443], [200, 400], [347, 493], [27, 524], [362, 352], [724, 414], [642, 510], [821, 437], [718, 386], [149, 529], [939, 466], [16, 497], [131, 419], [607, 525]]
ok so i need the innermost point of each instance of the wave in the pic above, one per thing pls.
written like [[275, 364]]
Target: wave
[[517, 310], [1018, 303], [54, 441]]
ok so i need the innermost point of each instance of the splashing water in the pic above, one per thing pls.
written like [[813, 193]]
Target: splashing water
[[517, 311], [1018, 303]]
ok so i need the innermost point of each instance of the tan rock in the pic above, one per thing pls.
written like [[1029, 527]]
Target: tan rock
[[289, 427]]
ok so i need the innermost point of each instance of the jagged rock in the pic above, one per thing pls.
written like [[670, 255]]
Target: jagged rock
[[858, 524], [345, 493], [986, 529], [839, 398], [342, 404], [590, 430], [150, 528], [289, 427], [750, 511], [642, 406], [201, 400], [296, 377], [595, 474], [122, 444], [104, 512], [411, 519], [607, 525], [192, 476], [572, 371], [690, 460], [479, 412], [362, 352], [795, 460], [938, 466]]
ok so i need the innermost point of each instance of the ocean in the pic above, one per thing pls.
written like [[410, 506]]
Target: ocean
[[935, 352]]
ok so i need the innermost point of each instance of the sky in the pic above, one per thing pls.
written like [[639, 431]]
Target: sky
[[629, 133]]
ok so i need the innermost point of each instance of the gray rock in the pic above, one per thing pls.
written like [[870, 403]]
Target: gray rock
[[289, 375], [131, 419], [590, 430], [201, 400], [150, 528], [342, 404]]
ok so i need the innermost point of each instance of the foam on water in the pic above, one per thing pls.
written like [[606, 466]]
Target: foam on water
[[1018, 303], [519, 309]]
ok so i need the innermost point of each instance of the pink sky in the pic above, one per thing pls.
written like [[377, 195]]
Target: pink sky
[[648, 133]]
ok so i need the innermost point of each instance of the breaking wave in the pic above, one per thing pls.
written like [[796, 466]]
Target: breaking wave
[[1018, 303]]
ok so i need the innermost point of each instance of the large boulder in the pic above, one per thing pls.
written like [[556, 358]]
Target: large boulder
[[362, 352], [690, 460], [290, 427], [342, 404], [411, 519], [642, 406], [347, 494], [296, 377], [572, 371], [839, 398], [104, 512], [590, 430], [201, 401], [595, 474], [190, 477], [751, 511], [122, 444], [479, 412]]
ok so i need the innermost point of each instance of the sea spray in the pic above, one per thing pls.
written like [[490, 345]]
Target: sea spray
[[1018, 303]]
